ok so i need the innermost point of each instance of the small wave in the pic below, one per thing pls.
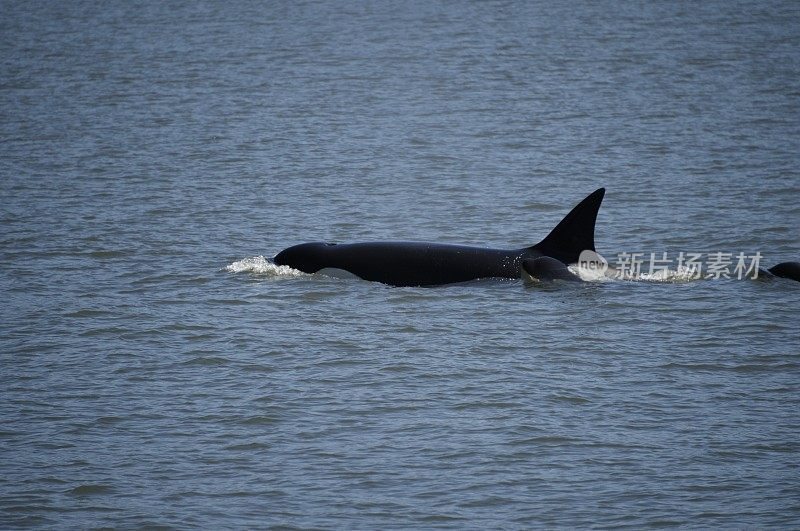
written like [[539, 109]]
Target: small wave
[[682, 274], [88, 490], [203, 361], [248, 446], [262, 266]]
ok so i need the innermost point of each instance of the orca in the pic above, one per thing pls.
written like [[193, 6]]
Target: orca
[[431, 264], [790, 270], [547, 268]]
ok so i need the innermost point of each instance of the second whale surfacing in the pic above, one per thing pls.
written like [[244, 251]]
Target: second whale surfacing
[[432, 264]]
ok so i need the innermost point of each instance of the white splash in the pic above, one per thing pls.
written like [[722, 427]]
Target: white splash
[[592, 267], [590, 274], [682, 274], [262, 266], [593, 274]]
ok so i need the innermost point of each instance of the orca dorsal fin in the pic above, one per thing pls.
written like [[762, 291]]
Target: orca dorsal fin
[[575, 233]]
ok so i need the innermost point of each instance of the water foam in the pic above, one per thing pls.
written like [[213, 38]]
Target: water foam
[[262, 266], [592, 267], [682, 274], [594, 274], [589, 274]]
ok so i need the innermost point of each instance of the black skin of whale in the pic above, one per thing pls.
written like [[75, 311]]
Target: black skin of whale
[[547, 268], [789, 270], [432, 264]]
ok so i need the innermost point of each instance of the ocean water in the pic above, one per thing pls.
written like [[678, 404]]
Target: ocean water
[[156, 370]]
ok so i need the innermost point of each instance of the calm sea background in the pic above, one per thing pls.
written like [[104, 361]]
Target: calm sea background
[[154, 371]]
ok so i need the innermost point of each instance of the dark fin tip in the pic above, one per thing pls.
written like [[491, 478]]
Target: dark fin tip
[[575, 233], [786, 270]]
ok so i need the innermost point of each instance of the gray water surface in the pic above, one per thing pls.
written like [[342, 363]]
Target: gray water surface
[[154, 371]]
